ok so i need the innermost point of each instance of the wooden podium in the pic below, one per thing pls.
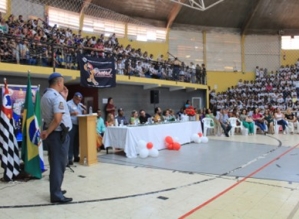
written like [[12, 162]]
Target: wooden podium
[[87, 139]]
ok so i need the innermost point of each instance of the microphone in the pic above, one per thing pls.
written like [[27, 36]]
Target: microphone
[[83, 107]]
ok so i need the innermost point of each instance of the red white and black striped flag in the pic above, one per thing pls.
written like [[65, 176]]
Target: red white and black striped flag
[[9, 150]]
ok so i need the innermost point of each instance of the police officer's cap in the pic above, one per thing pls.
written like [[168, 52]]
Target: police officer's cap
[[78, 94], [54, 75]]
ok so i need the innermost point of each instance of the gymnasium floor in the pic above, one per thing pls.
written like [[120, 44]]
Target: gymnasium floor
[[250, 177]]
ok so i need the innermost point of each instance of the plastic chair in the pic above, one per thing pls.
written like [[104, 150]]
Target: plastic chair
[[233, 123], [208, 123], [277, 126]]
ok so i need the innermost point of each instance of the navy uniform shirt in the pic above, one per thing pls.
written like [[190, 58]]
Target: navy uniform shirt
[[52, 102], [74, 108]]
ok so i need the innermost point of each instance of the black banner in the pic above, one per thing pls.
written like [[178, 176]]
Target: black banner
[[97, 72]]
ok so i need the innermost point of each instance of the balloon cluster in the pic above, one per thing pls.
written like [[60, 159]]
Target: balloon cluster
[[172, 144], [147, 149], [198, 138]]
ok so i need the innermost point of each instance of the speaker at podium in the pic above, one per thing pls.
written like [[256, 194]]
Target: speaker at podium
[[154, 96]]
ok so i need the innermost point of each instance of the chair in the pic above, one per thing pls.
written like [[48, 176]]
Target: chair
[[277, 126], [255, 127], [233, 123], [208, 123]]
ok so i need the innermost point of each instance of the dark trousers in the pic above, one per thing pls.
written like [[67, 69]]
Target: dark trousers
[[226, 128], [283, 123], [74, 143], [58, 161], [261, 125]]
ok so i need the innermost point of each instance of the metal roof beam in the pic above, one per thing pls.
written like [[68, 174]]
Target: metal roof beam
[[196, 4], [173, 14]]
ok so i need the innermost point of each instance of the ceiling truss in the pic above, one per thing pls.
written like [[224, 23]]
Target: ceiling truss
[[196, 4]]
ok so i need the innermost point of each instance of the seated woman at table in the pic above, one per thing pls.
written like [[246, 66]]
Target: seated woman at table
[[167, 116], [172, 115], [110, 120], [134, 120]]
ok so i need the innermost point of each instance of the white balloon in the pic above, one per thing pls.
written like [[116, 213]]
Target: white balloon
[[194, 137], [153, 152], [204, 139], [144, 153], [198, 140], [141, 144]]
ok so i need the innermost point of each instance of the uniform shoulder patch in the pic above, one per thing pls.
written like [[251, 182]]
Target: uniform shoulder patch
[[61, 106]]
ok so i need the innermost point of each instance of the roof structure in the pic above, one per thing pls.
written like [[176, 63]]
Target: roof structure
[[249, 16]]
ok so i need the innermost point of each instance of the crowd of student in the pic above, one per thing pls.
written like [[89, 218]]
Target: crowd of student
[[275, 89], [260, 102], [34, 42]]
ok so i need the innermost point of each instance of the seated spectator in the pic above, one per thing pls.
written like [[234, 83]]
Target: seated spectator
[[110, 120], [269, 120], [134, 120], [258, 119], [171, 114], [179, 113], [143, 117], [121, 118], [101, 128], [247, 122], [223, 120], [280, 119], [210, 115], [291, 120], [167, 116], [158, 115]]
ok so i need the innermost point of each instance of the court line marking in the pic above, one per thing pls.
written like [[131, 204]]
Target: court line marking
[[236, 184]]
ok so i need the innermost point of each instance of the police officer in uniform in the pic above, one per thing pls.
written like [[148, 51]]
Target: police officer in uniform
[[57, 123]]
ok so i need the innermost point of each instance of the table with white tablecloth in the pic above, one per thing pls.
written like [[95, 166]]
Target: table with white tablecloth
[[127, 137]]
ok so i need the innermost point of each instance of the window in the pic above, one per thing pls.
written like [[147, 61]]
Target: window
[[3, 6], [223, 51], [290, 42], [63, 18], [143, 33], [187, 46], [107, 27]]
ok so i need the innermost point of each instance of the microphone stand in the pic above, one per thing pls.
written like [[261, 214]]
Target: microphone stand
[[71, 169]]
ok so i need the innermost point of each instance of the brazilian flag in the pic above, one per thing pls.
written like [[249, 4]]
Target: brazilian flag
[[37, 112], [31, 137]]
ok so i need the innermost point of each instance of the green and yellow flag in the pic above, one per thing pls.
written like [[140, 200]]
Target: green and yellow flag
[[31, 136]]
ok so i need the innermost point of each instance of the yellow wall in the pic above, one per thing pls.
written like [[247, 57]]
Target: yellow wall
[[289, 57], [224, 80]]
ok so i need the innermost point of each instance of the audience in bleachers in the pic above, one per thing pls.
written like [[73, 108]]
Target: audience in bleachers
[[270, 100], [34, 42]]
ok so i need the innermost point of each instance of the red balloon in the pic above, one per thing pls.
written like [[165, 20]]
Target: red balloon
[[169, 140], [149, 145], [176, 146], [200, 134], [170, 146]]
